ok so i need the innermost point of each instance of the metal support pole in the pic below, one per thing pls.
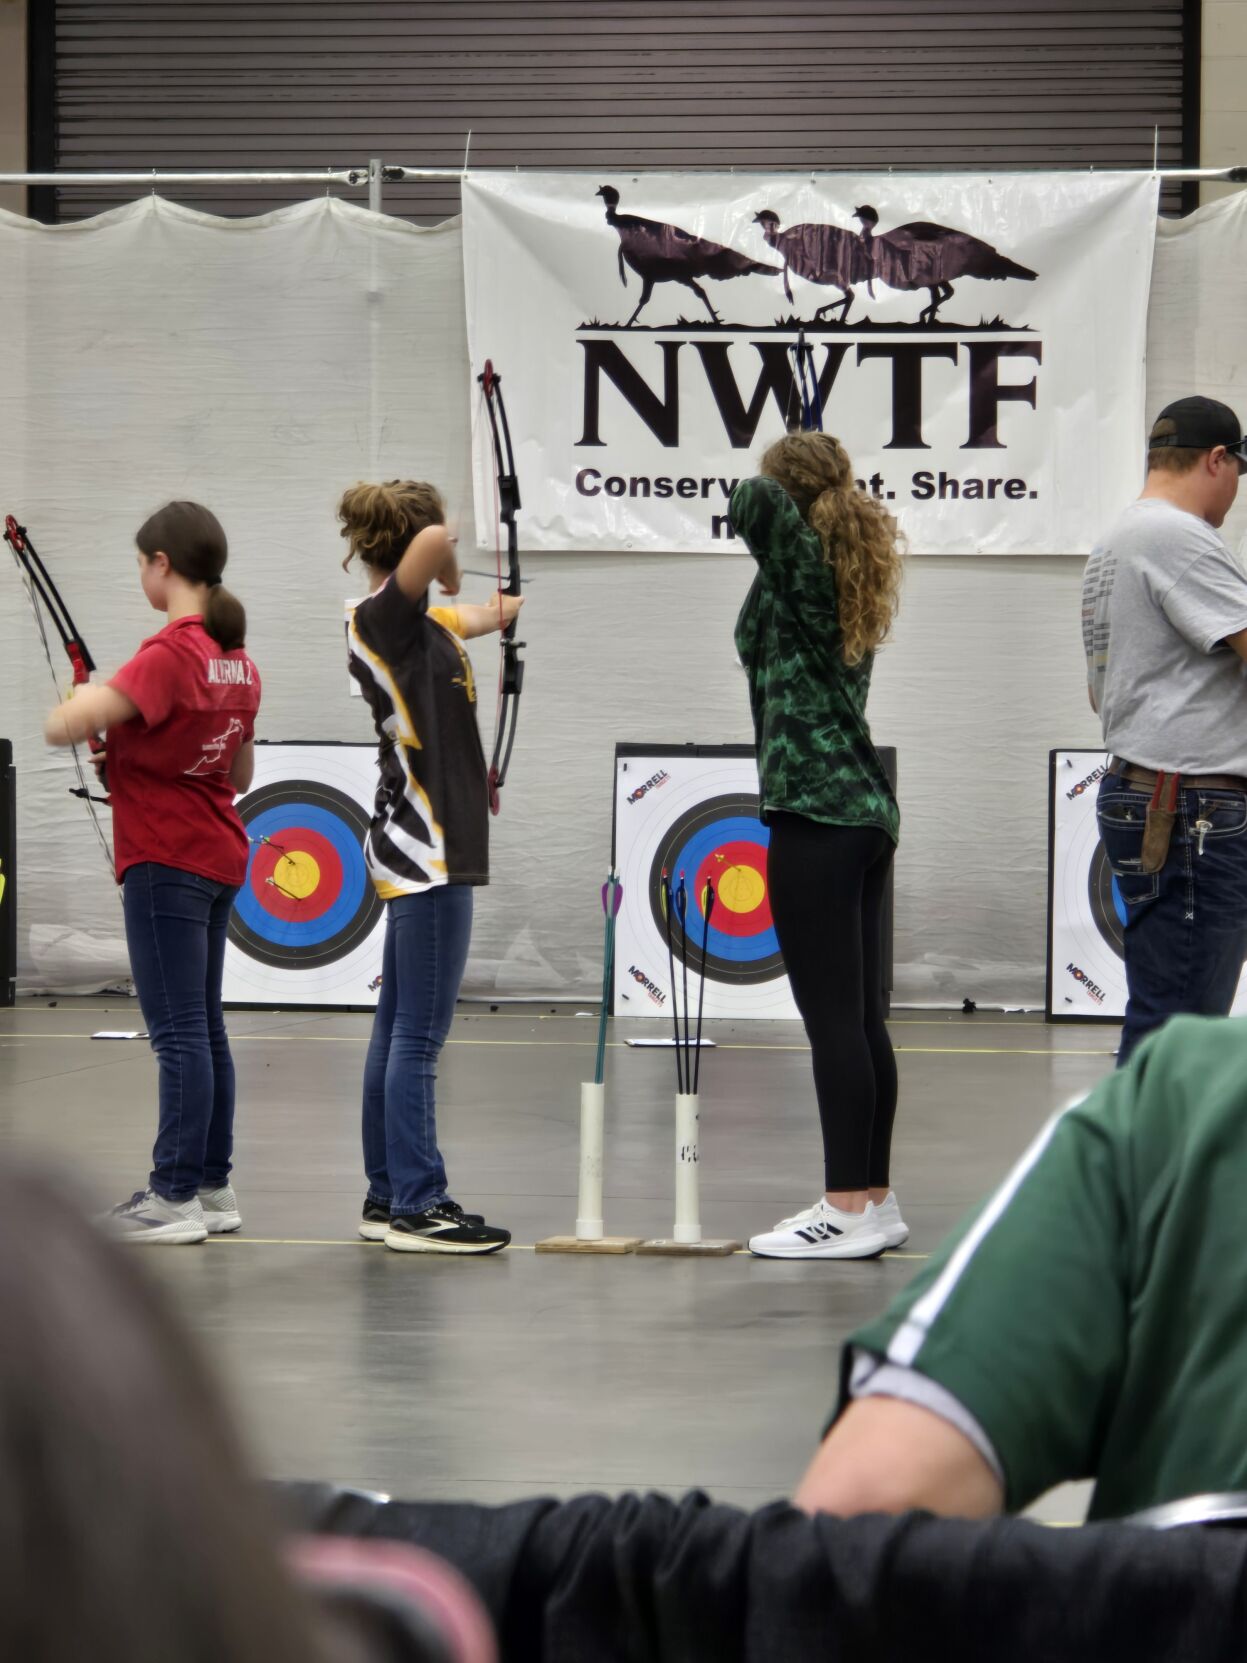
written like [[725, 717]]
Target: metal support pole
[[1235, 174], [375, 174], [357, 176]]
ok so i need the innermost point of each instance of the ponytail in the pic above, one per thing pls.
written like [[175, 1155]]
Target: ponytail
[[194, 541], [225, 617]]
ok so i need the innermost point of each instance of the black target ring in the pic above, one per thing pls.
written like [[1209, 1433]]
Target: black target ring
[[1107, 911]]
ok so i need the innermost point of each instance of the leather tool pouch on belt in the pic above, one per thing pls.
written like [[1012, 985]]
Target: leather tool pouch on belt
[[1158, 826]]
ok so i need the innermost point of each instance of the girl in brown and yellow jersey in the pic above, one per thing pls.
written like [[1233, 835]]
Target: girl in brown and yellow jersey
[[427, 847]]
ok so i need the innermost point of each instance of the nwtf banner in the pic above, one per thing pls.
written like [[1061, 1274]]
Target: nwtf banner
[[978, 344]]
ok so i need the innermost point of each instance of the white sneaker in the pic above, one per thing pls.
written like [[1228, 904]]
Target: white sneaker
[[147, 1216], [893, 1225], [827, 1233], [221, 1213]]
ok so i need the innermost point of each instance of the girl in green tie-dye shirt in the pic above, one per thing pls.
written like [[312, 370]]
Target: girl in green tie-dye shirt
[[829, 566]]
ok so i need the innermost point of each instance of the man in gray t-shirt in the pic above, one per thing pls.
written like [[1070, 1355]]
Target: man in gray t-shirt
[[1164, 621]]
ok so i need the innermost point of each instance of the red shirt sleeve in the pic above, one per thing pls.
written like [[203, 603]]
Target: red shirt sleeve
[[150, 681]]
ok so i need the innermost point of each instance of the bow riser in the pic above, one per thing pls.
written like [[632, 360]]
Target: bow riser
[[511, 665]]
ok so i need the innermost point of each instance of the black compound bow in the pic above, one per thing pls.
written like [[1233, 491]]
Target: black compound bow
[[511, 665], [46, 602]]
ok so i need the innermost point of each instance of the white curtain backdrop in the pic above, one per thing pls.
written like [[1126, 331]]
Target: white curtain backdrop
[[261, 365]]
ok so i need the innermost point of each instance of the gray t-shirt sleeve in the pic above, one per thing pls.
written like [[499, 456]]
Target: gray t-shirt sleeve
[[1209, 601]]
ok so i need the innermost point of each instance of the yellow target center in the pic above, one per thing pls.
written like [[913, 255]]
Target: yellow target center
[[298, 874], [740, 888]]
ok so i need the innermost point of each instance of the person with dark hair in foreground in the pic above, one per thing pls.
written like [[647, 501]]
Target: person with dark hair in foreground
[[131, 1530]]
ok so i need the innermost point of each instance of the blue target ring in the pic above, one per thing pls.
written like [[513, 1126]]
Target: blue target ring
[[690, 857], [1108, 910], [272, 823], [341, 911]]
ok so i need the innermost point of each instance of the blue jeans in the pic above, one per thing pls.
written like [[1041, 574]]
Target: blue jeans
[[426, 949], [175, 930], [1186, 925]]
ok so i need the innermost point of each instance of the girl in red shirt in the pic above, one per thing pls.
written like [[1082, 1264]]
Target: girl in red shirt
[[180, 724]]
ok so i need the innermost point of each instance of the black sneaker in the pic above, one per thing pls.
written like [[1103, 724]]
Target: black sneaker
[[445, 1228], [375, 1223], [375, 1220], [457, 1210]]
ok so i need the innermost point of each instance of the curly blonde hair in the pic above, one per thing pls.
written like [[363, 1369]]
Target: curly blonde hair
[[859, 537], [379, 521]]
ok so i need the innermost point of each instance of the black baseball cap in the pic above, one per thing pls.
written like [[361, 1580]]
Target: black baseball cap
[[1198, 423]]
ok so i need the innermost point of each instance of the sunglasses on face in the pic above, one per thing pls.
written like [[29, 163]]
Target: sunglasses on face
[[1238, 453]]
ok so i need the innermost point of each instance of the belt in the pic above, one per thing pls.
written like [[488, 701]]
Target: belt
[[1147, 777]]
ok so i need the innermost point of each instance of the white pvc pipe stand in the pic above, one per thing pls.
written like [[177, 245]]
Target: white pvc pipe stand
[[687, 1209], [592, 1132]]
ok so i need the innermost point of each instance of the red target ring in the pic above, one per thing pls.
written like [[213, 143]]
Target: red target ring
[[297, 878], [742, 900]]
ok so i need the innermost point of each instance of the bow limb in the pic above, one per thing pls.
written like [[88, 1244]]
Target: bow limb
[[511, 665], [46, 602], [44, 593]]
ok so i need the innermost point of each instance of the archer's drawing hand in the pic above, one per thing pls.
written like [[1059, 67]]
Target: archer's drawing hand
[[449, 579]]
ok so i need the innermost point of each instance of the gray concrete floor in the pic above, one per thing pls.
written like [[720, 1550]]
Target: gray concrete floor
[[528, 1373]]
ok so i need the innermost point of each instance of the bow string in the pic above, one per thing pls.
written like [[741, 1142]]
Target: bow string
[[506, 504]]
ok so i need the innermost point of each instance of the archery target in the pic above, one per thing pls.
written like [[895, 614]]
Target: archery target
[[1086, 914], [697, 815], [307, 927]]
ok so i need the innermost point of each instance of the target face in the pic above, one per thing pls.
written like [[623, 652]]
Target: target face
[[307, 926], [720, 842], [696, 815], [1086, 918]]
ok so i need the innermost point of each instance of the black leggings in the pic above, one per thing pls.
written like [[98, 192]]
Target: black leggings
[[827, 886]]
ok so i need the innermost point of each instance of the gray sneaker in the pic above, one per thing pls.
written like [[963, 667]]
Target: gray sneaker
[[147, 1216], [221, 1213]]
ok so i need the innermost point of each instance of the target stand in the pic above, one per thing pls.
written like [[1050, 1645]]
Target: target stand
[[308, 927]]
